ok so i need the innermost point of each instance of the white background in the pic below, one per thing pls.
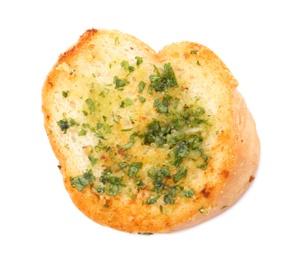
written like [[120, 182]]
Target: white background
[[260, 41]]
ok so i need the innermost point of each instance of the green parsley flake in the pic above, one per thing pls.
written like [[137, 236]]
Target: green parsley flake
[[82, 181], [163, 81], [64, 124], [91, 105], [139, 61], [152, 199], [126, 66], [180, 175], [83, 132], [141, 99], [141, 86], [65, 94], [113, 183], [134, 168], [119, 83], [161, 105], [92, 160], [126, 102], [123, 165]]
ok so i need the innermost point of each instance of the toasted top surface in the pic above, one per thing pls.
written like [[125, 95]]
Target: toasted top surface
[[147, 142]]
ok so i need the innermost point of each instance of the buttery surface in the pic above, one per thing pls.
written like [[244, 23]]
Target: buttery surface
[[148, 142]]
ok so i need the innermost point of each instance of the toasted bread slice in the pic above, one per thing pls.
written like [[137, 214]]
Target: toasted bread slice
[[148, 142]]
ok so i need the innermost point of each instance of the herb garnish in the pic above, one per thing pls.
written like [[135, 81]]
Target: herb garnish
[[82, 181], [113, 183], [65, 94], [162, 81], [119, 83], [134, 168], [126, 66], [65, 123], [139, 60]]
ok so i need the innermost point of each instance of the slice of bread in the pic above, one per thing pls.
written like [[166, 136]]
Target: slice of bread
[[148, 142]]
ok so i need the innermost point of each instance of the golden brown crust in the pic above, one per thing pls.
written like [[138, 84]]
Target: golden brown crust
[[232, 144]]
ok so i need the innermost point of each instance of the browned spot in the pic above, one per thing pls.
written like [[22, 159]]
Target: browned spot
[[186, 55], [146, 187], [60, 167], [104, 157], [49, 83], [122, 152], [225, 173], [206, 191], [251, 178]]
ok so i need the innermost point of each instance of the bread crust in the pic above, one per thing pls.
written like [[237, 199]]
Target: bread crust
[[232, 143]]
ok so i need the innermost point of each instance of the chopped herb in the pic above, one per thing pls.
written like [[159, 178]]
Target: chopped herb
[[198, 63], [139, 184], [180, 151], [141, 99], [107, 128], [141, 86], [126, 66], [115, 118], [99, 135], [163, 81], [104, 92], [159, 176], [82, 132], [99, 189], [120, 83], [126, 102], [114, 183], [134, 168], [169, 197], [199, 111], [193, 51], [161, 208], [65, 94], [194, 141], [82, 181], [115, 188], [92, 160], [161, 105], [180, 175], [152, 199], [91, 104], [139, 61], [64, 124], [127, 129], [201, 166], [131, 142], [123, 165], [188, 193], [127, 145]]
